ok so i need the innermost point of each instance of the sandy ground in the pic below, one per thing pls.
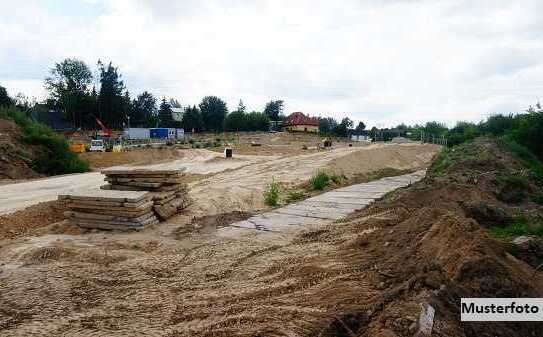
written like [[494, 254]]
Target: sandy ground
[[20, 195], [164, 280]]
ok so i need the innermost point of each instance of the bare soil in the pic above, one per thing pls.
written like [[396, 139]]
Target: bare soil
[[15, 157], [29, 220], [185, 278], [135, 156]]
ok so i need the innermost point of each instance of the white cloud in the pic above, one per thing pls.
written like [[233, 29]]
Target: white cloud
[[381, 62]]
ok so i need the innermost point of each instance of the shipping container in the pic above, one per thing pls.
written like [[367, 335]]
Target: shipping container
[[161, 133], [136, 133]]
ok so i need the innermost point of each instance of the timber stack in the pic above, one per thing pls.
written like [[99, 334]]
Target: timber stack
[[167, 188], [110, 209]]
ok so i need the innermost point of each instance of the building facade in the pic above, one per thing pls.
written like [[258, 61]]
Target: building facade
[[299, 122]]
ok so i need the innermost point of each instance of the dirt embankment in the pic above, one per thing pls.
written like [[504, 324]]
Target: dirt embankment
[[15, 157], [399, 157]]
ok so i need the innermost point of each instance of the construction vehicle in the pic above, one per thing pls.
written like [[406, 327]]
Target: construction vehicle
[[77, 147], [97, 145], [106, 132]]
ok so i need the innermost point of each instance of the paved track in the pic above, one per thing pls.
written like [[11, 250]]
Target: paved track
[[327, 207]]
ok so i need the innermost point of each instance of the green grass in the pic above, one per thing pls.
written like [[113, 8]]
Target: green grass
[[521, 226], [271, 194], [294, 196], [526, 157], [441, 163], [514, 186], [319, 180], [55, 156]]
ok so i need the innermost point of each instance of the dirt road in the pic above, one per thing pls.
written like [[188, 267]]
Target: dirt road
[[20, 195]]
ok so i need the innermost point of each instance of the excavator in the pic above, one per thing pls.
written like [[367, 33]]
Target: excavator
[[99, 143], [106, 132]]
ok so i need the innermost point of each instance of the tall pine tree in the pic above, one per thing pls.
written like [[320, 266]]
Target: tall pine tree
[[165, 114], [111, 108]]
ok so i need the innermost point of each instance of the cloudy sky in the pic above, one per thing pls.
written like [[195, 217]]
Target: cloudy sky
[[380, 61]]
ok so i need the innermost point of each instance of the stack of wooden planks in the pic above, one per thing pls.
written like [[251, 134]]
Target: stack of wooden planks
[[166, 187], [110, 209]]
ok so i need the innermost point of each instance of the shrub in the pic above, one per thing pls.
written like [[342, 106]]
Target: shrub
[[441, 163], [294, 196], [336, 179], [320, 180], [55, 157], [521, 226], [526, 157], [271, 194]]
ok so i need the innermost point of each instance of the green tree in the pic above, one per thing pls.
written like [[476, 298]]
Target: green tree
[[68, 84], [5, 100], [326, 125], [274, 110], [237, 119], [143, 112], [499, 124], [360, 128], [192, 120], [213, 110], [435, 129], [110, 98], [165, 114], [343, 128], [257, 121]]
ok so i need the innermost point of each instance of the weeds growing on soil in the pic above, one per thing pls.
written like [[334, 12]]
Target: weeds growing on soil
[[514, 187], [271, 194], [294, 196], [320, 180], [521, 226]]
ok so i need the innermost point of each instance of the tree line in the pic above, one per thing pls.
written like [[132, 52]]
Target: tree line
[[71, 90]]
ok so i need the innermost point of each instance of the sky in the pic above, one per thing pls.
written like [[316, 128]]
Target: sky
[[383, 62]]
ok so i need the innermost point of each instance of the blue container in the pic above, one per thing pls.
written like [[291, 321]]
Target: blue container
[[158, 133]]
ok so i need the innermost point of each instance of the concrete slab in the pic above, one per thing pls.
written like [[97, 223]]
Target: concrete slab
[[325, 208], [333, 204], [327, 214], [106, 195]]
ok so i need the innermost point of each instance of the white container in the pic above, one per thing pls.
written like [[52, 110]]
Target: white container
[[136, 133]]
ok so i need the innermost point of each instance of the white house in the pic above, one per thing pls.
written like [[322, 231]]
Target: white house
[[177, 114]]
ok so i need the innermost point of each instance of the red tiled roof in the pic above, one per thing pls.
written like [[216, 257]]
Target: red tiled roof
[[298, 118]]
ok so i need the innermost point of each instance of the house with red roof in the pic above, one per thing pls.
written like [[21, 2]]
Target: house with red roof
[[298, 121]]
